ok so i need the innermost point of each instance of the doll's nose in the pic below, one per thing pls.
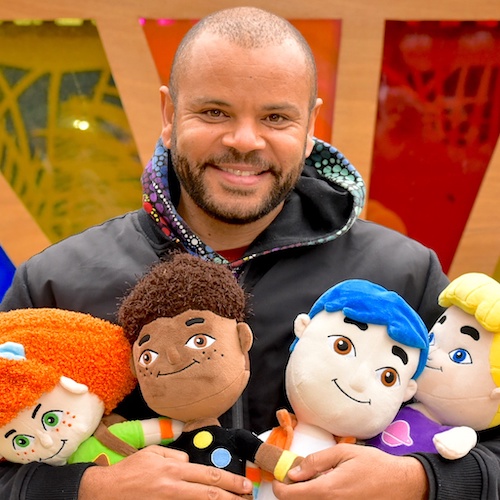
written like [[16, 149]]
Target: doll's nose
[[173, 355], [45, 440], [358, 379]]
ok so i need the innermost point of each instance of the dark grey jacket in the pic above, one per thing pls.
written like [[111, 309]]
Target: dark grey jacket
[[314, 243]]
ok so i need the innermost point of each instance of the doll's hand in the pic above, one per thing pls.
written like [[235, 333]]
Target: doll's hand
[[455, 442], [348, 471], [156, 472]]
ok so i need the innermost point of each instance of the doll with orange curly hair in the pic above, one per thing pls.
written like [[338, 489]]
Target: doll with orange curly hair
[[60, 372]]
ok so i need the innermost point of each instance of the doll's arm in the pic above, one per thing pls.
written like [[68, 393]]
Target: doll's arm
[[455, 442], [135, 434], [273, 459], [160, 430]]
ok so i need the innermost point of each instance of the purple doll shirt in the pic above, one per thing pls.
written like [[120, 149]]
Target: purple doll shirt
[[409, 432]]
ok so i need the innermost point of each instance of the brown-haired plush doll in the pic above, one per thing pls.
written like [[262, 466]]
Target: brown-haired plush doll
[[190, 353]]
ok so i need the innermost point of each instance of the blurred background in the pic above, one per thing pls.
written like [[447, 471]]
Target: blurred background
[[411, 96]]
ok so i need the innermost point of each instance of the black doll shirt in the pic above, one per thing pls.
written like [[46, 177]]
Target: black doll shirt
[[227, 449]]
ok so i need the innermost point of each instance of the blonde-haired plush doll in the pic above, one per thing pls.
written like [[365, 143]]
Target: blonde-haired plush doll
[[459, 390], [60, 372]]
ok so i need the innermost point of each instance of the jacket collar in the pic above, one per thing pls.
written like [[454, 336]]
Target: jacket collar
[[325, 203]]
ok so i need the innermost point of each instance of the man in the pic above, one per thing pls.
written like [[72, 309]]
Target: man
[[238, 119]]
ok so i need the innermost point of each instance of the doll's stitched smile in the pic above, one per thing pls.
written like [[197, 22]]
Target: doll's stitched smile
[[178, 371], [350, 397], [63, 441]]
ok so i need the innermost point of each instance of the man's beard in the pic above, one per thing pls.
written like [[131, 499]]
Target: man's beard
[[191, 178]]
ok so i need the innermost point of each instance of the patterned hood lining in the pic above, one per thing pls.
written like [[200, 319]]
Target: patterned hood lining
[[328, 162]]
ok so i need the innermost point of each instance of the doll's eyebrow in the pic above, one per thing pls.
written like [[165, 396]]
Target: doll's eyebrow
[[144, 339], [7, 434], [194, 321], [359, 324], [471, 331], [35, 411], [400, 353]]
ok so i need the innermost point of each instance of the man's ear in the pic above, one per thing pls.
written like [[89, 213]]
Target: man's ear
[[167, 116], [495, 393], [245, 335], [411, 389], [310, 126], [300, 324], [74, 387]]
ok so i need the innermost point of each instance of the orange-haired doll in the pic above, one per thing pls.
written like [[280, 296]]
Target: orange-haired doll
[[60, 372]]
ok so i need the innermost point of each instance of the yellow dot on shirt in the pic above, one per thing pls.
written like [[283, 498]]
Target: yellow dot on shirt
[[203, 439]]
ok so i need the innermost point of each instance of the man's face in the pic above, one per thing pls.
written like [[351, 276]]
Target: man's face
[[239, 133], [456, 384], [51, 431], [193, 365], [349, 378]]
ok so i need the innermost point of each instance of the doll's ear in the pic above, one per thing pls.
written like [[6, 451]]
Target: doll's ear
[[245, 335], [74, 387], [411, 389], [300, 324], [495, 393]]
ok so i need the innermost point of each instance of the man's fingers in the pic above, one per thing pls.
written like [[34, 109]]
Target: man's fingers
[[202, 474], [168, 452], [211, 476], [316, 463]]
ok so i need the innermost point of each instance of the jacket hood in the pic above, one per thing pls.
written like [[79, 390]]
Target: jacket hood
[[324, 204]]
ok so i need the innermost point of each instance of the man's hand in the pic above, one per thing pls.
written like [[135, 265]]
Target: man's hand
[[349, 471], [156, 472]]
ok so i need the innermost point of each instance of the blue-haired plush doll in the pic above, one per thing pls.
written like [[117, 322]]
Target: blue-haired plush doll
[[354, 362]]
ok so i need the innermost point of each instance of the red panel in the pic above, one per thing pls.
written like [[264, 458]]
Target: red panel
[[437, 125]]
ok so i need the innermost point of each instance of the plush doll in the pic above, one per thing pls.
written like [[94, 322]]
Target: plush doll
[[459, 389], [60, 372], [354, 362], [190, 352]]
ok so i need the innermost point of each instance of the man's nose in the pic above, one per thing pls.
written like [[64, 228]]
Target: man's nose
[[244, 136]]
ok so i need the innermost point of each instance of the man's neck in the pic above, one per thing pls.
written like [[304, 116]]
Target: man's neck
[[221, 235]]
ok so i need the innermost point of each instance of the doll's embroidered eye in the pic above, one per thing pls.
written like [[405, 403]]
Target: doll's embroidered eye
[[200, 341], [342, 345], [147, 357], [51, 419], [460, 356], [22, 441], [432, 338], [388, 376]]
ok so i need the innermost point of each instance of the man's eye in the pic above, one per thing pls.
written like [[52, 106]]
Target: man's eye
[[51, 419], [22, 441], [147, 357], [388, 376], [275, 118], [200, 341], [342, 345], [214, 113]]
